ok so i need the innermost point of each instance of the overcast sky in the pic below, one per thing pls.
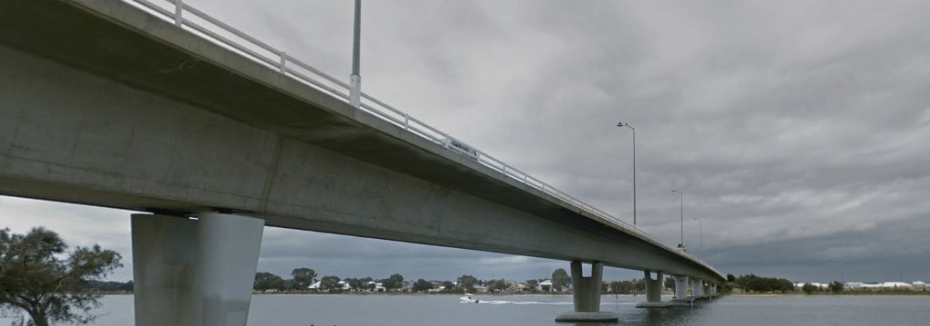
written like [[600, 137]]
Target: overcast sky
[[799, 131]]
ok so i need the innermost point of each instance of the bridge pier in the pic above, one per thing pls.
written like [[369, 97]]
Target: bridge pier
[[653, 291], [587, 296], [681, 287], [697, 288], [194, 272]]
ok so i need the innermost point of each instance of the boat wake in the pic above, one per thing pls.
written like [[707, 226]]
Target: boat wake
[[551, 303]]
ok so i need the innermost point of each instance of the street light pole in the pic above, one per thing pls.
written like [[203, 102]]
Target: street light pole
[[682, 204], [702, 231], [621, 124], [355, 81]]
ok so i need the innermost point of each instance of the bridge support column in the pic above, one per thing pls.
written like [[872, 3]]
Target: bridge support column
[[587, 296], [681, 287], [697, 288], [194, 272], [653, 291]]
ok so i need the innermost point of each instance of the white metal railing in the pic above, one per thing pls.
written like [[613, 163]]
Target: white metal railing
[[300, 71]]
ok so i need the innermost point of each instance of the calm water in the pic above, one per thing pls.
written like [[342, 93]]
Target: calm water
[[348, 310]]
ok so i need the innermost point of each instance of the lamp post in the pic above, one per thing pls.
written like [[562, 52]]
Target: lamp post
[[355, 80], [702, 231], [682, 204], [621, 124]]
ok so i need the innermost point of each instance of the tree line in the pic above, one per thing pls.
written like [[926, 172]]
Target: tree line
[[302, 278], [758, 284]]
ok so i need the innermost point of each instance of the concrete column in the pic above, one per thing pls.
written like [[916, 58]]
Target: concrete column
[[194, 272], [653, 291], [587, 290], [681, 287], [228, 251], [697, 288], [713, 289], [163, 259], [587, 296], [653, 287]]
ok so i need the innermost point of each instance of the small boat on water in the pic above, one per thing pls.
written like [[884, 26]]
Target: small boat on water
[[468, 299]]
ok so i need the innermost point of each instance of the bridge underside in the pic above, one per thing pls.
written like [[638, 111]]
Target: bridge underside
[[129, 111]]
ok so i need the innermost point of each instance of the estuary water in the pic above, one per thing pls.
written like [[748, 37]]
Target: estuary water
[[401, 310]]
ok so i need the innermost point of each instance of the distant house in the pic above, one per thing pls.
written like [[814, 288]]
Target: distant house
[[897, 285], [545, 286], [314, 286], [853, 285], [378, 286], [884, 286], [919, 285], [818, 285]]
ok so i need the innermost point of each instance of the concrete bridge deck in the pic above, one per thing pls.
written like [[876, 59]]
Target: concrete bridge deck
[[102, 103]]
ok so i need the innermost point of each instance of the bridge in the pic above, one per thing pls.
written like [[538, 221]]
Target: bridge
[[160, 108]]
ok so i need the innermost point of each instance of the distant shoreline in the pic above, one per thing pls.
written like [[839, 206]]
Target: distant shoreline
[[759, 295], [413, 293], [844, 294]]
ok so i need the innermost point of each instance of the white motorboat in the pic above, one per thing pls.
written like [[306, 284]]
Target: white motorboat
[[468, 299]]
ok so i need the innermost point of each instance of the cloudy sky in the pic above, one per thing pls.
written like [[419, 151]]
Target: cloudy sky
[[799, 131]]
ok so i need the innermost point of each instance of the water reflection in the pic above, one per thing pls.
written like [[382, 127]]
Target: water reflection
[[673, 316]]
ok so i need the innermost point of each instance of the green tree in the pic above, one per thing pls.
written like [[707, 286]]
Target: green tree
[[532, 285], [836, 287], [422, 285], [808, 288], [670, 282], [393, 282], [616, 287], [36, 277], [304, 277], [366, 283], [560, 279], [731, 278], [639, 286], [265, 281], [497, 285], [330, 283], [448, 285], [467, 282]]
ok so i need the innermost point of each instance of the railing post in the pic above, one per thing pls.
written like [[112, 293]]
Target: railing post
[[178, 9], [283, 57]]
